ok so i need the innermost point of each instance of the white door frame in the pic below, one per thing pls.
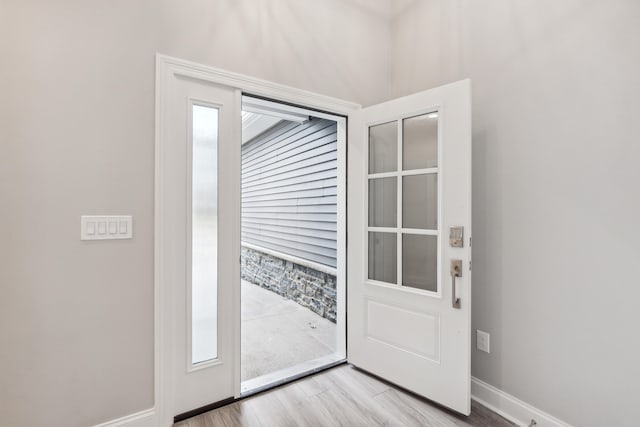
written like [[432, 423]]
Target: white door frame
[[162, 413]]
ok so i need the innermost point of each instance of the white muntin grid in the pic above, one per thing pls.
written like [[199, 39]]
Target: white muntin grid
[[399, 173]]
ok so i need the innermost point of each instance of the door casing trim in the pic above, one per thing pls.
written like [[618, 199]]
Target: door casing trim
[[167, 66]]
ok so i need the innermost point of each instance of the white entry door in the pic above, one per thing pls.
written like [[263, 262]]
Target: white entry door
[[198, 222], [409, 288]]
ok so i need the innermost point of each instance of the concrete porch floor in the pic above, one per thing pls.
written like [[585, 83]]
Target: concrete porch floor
[[277, 333]]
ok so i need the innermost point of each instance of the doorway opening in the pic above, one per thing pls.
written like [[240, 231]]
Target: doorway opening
[[293, 242]]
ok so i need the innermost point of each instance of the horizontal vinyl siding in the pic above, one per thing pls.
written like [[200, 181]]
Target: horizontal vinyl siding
[[289, 190]]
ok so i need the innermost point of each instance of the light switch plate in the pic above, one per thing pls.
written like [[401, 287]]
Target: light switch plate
[[106, 227], [483, 341]]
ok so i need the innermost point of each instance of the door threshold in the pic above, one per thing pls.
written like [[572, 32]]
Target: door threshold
[[202, 409], [287, 375]]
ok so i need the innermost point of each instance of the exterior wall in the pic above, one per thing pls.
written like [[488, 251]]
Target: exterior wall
[[556, 101], [308, 287], [289, 190]]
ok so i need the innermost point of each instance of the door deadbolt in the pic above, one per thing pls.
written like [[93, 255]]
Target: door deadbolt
[[456, 237]]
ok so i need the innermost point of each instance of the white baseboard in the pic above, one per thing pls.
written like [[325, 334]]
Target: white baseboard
[[145, 418], [511, 408]]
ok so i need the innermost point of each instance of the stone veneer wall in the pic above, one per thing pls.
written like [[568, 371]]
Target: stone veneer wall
[[308, 287]]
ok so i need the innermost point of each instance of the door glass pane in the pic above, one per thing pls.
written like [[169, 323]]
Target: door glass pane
[[383, 257], [383, 148], [383, 202], [420, 261], [420, 201], [420, 142], [204, 235]]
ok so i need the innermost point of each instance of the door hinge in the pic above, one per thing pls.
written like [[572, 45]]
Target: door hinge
[[469, 265]]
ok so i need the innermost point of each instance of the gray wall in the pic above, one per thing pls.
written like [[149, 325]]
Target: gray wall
[[556, 100], [289, 190], [77, 137], [556, 149]]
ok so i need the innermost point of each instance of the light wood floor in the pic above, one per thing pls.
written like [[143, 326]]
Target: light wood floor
[[342, 396]]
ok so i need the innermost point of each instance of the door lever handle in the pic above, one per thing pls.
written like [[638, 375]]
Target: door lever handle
[[456, 271]]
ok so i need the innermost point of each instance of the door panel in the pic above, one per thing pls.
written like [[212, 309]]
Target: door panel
[[412, 331], [409, 182], [202, 205]]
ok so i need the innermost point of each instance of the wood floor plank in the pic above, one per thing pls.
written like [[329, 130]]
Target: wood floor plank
[[359, 398], [483, 416], [307, 411], [342, 396], [411, 413], [369, 383], [270, 411], [294, 393], [237, 414], [345, 411], [314, 385]]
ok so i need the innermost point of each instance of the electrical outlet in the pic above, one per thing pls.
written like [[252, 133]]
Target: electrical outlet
[[483, 341]]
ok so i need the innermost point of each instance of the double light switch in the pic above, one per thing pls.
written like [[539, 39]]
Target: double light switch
[[101, 227]]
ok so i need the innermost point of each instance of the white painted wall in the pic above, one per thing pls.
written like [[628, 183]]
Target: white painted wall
[[556, 134], [556, 100], [76, 137]]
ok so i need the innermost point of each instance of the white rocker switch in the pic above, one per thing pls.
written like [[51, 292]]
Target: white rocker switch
[[91, 228]]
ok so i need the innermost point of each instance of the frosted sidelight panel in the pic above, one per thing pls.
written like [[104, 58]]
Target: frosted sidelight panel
[[420, 261], [382, 257], [383, 148], [204, 235]]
